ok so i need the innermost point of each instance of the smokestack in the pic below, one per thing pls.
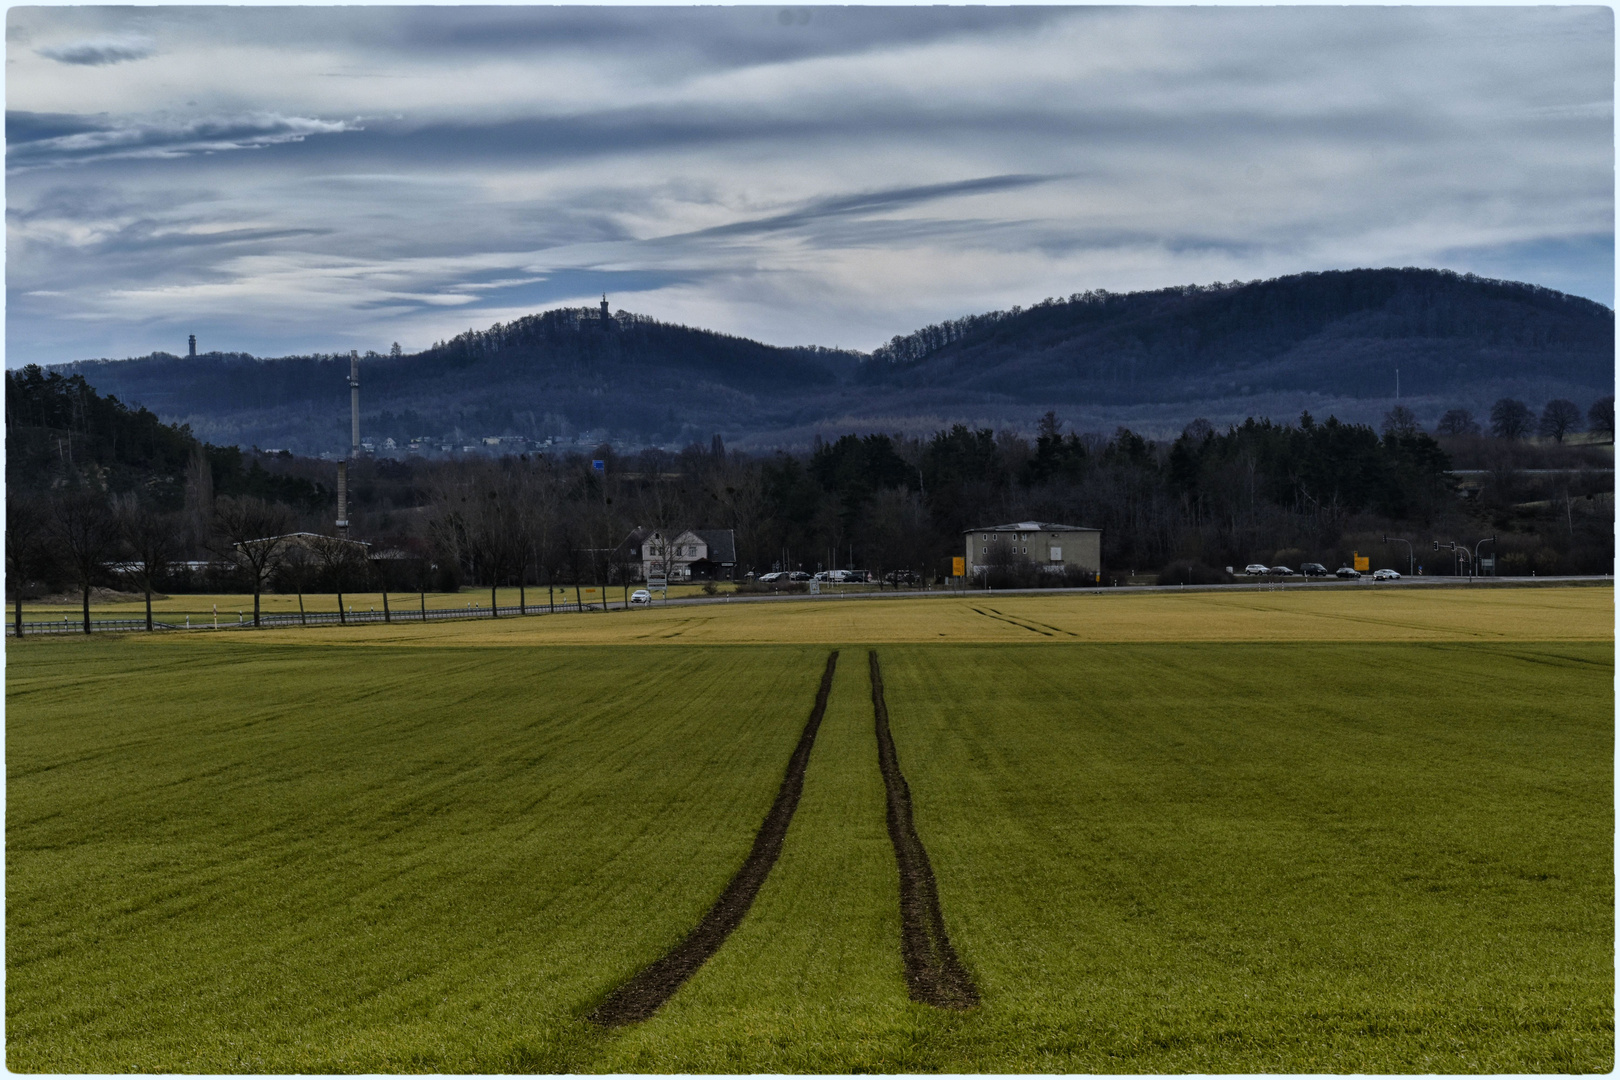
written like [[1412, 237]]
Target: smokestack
[[354, 403], [343, 499]]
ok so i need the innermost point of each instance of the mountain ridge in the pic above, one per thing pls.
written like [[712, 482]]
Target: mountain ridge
[[1329, 341]]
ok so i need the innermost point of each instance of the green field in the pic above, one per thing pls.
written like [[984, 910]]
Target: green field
[[364, 850]]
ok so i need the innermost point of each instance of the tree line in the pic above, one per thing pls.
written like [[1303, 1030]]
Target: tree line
[[141, 498]]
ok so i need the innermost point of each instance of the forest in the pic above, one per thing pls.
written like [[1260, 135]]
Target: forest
[[99, 494]]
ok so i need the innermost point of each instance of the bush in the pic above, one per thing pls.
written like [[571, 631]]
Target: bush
[[1193, 573], [1023, 574]]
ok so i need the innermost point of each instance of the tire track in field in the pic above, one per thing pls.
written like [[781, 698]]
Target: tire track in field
[[641, 996], [1010, 622], [934, 975], [1036, 622]]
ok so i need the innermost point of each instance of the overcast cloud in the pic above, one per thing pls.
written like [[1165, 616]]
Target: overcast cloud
[[295, 179]]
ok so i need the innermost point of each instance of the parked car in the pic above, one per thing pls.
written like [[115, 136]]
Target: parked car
[[1346, 572], [1313, 569], [1257, 569], [641, 596], [798, 575], [1386, 575], [774, 575], [901, 577], [1281, 571]]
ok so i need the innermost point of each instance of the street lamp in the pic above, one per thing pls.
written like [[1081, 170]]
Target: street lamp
[[1487, 540], [1410, 562]]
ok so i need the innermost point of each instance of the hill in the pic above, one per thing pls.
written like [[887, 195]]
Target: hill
[[1329, 342]]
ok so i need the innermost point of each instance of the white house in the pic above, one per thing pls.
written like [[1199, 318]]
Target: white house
[[690, 555]]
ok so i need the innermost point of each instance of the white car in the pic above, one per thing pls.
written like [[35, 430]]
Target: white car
[[1256, 569], [641, 596], [1386, 575]]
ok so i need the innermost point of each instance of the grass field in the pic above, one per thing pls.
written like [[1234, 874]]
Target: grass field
[[1214, 832], [201, 606]]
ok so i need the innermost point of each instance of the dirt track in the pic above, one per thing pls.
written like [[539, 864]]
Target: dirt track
[[934, 975], [641, 996]]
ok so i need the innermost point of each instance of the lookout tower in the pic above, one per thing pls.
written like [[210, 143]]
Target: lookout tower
[[193, 344], [607, 320]]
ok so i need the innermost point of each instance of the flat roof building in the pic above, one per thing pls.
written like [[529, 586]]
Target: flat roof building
[[1045, 544]]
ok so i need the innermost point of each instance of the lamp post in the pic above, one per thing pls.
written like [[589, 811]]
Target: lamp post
[[1410, 561], [1487, 540]]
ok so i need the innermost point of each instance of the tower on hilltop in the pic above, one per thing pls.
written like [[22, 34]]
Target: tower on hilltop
[[193, 344], [607, 320]]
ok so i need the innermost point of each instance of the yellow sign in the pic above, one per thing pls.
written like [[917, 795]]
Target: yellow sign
[[1363, 564], [959, 567]]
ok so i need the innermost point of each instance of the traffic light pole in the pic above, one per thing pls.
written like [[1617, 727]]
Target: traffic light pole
[[1410, 561]]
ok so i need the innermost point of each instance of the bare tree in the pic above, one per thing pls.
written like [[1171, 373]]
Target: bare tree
[[253, 534], [1560, 417], [1400, 422], [1510, 419], [341, 560], [152, 539], [1601, 416], [296, 568], [1457, 422], [28, 551], [86, 535]]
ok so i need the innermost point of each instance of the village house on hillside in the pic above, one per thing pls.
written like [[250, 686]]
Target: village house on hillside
[[1046, 545], [692, 555]]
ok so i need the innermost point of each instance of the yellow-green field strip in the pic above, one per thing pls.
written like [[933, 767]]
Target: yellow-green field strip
[[1336, 830], [655, 984]]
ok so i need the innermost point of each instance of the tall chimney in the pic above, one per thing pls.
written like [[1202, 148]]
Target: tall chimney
[[354, 403], [343, 499]]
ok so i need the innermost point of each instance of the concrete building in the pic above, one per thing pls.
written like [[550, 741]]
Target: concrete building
[[1047, 545], [692, 555]]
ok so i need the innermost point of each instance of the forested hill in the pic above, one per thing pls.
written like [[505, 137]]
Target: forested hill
[[555, 373], [1341, 332], [1328, 342]]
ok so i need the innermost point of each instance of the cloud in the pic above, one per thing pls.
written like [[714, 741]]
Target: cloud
[[157, 138], [98, 53], [833, 175], [842, 206]]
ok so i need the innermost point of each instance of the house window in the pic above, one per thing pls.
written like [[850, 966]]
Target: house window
[[1057, 554]]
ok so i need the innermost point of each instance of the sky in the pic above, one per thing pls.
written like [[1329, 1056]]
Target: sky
[[290, 180]]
